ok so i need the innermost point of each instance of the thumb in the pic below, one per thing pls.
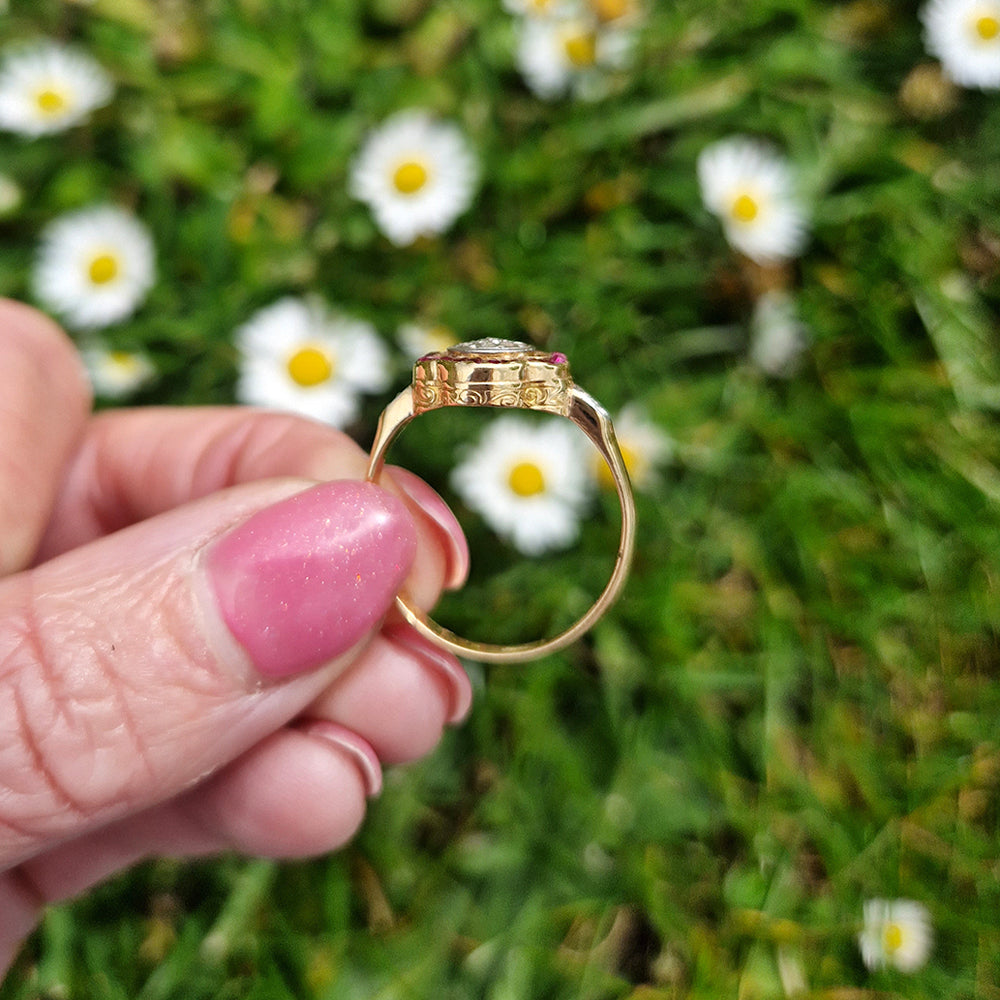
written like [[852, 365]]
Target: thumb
[[132, 667]]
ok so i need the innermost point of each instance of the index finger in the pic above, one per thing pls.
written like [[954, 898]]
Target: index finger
[[134, 464]]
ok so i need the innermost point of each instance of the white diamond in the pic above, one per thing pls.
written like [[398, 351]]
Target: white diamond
[[491, 345]]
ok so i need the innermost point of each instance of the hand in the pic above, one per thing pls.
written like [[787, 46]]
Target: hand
[[191, 630]]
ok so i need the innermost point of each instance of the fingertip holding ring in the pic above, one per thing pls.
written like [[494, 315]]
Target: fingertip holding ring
[[358, 750]]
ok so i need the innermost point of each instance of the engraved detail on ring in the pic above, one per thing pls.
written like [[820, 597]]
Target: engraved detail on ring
[[493, 372]]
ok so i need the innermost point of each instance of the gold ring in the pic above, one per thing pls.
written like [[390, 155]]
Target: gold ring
[[512, 375]]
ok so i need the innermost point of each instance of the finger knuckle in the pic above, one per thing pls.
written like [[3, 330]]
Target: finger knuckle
[[64, 733]]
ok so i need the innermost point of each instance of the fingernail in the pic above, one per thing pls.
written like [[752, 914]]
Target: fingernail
[[446, 667], [443, 519], [349, 743], [304, 580]]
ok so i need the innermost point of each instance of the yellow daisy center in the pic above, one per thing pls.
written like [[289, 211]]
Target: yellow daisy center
[[50, 101], [526, 480], [745, 208], [539, 4], [124, 362], [581, 49], [987, 27], [103, 269], [410, 177], [892, 938], [310, 366]]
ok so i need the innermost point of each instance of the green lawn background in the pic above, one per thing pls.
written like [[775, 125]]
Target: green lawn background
[[795, 705]]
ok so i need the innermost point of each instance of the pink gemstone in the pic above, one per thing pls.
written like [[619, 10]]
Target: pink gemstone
[[559, 359]]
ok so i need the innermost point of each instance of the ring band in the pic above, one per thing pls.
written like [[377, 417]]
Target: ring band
[[512, 375]]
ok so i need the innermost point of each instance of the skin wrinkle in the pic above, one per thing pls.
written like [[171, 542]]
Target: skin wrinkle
[[33, 743], [102, 497], [11, 677], [287, 430], [107, 694], [226, 450]]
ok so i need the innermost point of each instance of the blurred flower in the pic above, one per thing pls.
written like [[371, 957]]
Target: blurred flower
[[778, 337], [752, 191], [529, 481], [10, 195], [896, 933], [535, 8], [94, 267], [644, 446], [416, 340], [616, 10], [965, 36], [571, 53], [417, 174], [46, 88], [300, 356], [116, 374], [927, 92]]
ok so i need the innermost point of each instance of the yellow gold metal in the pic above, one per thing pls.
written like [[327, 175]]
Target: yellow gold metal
[[512, 375]]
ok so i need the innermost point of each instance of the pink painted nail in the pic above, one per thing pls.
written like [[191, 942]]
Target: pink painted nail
[[444, 520], [349, 743], [445, 666], [306, 579]]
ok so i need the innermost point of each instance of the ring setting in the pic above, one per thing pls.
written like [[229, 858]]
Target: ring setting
[[508, 374]]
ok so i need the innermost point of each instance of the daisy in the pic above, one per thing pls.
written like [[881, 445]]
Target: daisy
[[571, 53], [529, 481], [965, 36], [896, 933], [94, 266], [778, 338], [416, 173], [644, 446], [47, 88], [752, 191], [535, 8], [416, 340], [300, 356], [116, 374]]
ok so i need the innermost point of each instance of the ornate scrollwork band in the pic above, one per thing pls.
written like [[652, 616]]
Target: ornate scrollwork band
[[493, 373]]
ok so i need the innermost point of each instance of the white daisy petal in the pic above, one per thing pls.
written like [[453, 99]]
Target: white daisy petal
[[94, 267], [965, 36], [896, 934], [752, 191], [529, 481], [298, 355], [47, 88], [416, 174]]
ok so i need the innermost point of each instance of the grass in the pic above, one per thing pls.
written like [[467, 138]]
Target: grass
[[795, 706]]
